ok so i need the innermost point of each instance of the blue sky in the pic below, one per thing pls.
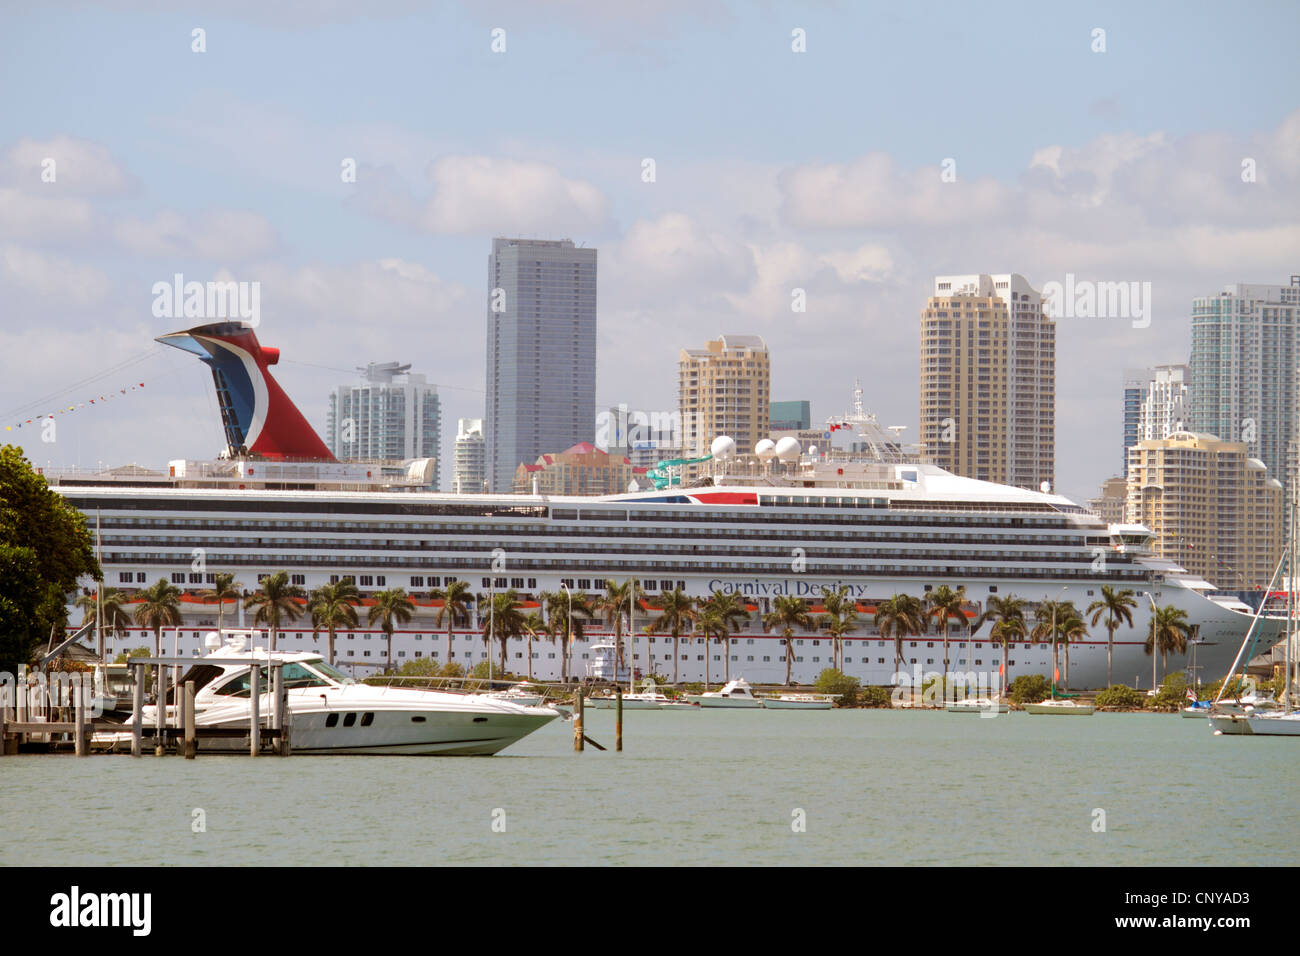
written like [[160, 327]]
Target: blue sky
[[774, 170]]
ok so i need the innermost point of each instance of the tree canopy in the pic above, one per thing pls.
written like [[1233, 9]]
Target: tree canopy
[[45, 547]]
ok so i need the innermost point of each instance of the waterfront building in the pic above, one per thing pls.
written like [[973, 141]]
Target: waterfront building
[[1245, 368], [470, 475], [1155, 403], [988, 380], [1111, 503], [583, 469], [541, 352], [790, 416], [1213, 509], [723, 389], [391, 415]]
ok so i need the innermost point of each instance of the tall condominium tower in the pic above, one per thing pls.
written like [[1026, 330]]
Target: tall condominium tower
[[1245, 362], [988, 380], [391, 414], [723, 389], [1213, 508], [1155, 404], [471, 457], [541, 352]]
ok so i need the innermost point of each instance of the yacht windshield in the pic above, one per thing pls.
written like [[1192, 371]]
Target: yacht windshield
[[333, 673]]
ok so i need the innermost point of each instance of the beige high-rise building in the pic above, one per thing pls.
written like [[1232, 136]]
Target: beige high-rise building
[[1110, 505], [724, 389], [988, 380], [1213, 510]]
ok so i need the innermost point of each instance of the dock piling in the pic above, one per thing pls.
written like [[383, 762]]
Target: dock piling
[[137, 705], [254, 717], [79, 737], [618, 720], [160, 711], [578, 737], [191, 742]]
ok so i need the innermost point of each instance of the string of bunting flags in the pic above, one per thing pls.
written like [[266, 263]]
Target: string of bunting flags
[[101, 399]]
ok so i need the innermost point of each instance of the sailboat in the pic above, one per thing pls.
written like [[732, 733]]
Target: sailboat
[[1235, 716], [1066, 704]]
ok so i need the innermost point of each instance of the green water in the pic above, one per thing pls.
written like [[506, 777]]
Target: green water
[[694, 788]]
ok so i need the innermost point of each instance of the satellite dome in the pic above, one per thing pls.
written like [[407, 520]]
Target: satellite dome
[[723, 447], [787, 449], [812, 451], [765, 449]]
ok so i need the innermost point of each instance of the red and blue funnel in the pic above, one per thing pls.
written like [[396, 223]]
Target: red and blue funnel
[[258, 417]]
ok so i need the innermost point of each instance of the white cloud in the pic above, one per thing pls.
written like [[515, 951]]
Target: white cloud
[[482, 195], [79, 168], [222, 234], [48, 216], [51, 279]]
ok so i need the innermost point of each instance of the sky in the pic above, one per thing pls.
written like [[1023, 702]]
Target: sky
[[1155, 143]]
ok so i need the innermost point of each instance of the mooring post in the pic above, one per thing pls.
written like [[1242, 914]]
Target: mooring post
[[277, 703], [160, 711], [618, 719], [137, 709], [577, 723], [254, 718], [191, 742], [20, 703], [79, 723]]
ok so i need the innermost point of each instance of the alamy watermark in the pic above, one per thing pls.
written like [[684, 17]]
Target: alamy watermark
[[208, 300], [1085, 299]]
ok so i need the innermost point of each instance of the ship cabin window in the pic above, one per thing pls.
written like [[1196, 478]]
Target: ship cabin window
[[649, 585], [297, 579], [501, 583], [417, 580], [487, 582], [367, 719], [381, 580], [993, 589], [332, 720], [178, 578], [125, 577], [665, 585], [349, 720]]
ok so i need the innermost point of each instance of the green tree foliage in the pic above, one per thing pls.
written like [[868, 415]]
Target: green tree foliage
[[875, 697], [1120, 697], [1173, 692], [44, 548], [420, 667], [1029, 689], [832, 681]]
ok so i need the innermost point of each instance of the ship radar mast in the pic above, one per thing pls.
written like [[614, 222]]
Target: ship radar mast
[[877, 442]]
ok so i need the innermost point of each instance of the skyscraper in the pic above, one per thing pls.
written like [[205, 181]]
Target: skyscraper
[[988, 380], [1155, 404], [471, 457], [1213, 508], [541, 352], [723, 389], [1245, 363], [392, 414]]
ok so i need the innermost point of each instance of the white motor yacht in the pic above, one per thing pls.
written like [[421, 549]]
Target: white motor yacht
[[330, 713], [737, 693], [978, 705], [800, 702], [522, 693], [1071, 707]]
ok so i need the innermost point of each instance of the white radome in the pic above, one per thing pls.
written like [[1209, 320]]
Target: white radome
[[723, 447], [787, 449], [765, 449]]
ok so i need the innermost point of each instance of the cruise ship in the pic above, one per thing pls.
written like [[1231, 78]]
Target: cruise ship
[[781, 524]]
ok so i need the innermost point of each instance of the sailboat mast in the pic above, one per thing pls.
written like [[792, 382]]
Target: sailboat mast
[[99, 595]]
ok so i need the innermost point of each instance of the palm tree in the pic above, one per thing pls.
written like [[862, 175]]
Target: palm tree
[[456, 598], [333, 606], [676, 612], [945, 605], [161, 608], [711, 623], [116, 619], [1059, 621], [788, 613], [1169, 631], [501, 619], [615, 605], [1074, 628], [1117, 607], [392, 607], [276, 602], [841, 617], [1008, 617], [898, 617], [731, 615], [224, 588], [533, 625], [567, 614]]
